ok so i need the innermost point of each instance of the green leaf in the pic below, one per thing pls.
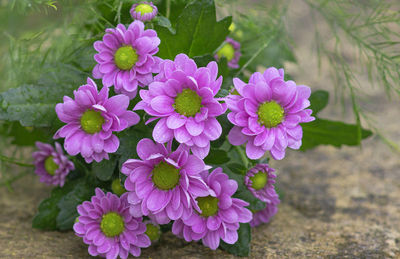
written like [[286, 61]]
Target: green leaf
[[68, 203], [128, 141], [202, 61], [216, 157], [164, 22], [23, 136], [46, 217], [242, 246], [105, 169], [197, 31], [34, 105], [254, 203], [237, 168], [318, 99], [335, 133]]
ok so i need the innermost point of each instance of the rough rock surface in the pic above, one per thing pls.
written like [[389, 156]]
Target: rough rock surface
[[338, 203]]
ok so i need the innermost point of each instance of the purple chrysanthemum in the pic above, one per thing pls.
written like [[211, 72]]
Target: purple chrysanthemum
[[51, 164], [126, 58], [265, 215], [145, 11], [182, 97], [267, 113], [230, 50], [163, 184], [91, 119], [220, 213], [259, 180], [106, 225]]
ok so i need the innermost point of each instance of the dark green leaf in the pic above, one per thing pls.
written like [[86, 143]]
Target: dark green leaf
[[242, 246], [81, 192], [237, 168], [48, 211], [197, 31], [326, 132], [128, 142], [202, 61], [105, 169], [216, 157], [318, 99], [34, 105]]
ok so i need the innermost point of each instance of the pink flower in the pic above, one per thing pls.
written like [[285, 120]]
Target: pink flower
[[91, 119], [144, 11], [267, 114], [219, 214], [230, 50], [106, 226], [163, 184], [182, 97], [126, 58], [51, 164]]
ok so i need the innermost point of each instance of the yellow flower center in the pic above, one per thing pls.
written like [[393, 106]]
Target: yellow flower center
[[227, 51], [187, 103], [144, 8], [270, 114], [125, 57], [259, 180], [92, 121], [208, 205], [50, 165], [165, 176], [112, 224]]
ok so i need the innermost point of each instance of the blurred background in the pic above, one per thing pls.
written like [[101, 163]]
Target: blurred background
[[337, 203]]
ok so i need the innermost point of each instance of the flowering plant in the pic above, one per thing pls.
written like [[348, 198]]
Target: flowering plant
[[169, 128]]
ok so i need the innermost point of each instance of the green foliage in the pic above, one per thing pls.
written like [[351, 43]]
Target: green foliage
[[327, 132], [318, 99], [216, 157], [59, 210], [46, 218], [34, 105], [335, 133], [197, 32], [105, 169], [81, 192], [242, 246], [23, 136]]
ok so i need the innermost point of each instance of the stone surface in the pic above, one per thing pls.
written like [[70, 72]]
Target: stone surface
[[337, 203]]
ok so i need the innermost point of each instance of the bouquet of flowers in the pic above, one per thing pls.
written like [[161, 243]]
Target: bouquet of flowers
[[164, 119]]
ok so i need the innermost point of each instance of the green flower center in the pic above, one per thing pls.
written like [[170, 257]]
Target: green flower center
[[227, 51], [91, 121], [112, 224], [208, 205], [152, 232], [187, 103], [259, 180], [117, 187], [270, 114], [50, 165], [125, 57], [144, 8], [165, 176]]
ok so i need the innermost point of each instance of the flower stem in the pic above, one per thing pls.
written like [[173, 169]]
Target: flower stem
[[12, 161], [254, 56], [242, 156], [168, 8]]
